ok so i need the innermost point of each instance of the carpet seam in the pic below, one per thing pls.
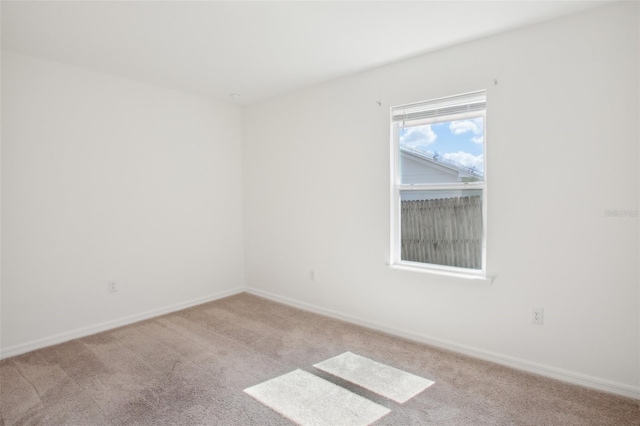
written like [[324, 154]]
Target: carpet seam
[[88, 394], [17, 367], [232, 340], [144, 361], [304, 339], [160, 372]]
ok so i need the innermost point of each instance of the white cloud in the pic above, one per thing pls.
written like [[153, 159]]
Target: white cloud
[[477, 139], [417, 137], [473, 125], [466, 159]]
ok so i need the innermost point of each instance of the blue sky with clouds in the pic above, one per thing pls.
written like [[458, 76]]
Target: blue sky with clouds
[[460, 141]]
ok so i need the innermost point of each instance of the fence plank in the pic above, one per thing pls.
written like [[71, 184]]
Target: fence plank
[[446, 231]]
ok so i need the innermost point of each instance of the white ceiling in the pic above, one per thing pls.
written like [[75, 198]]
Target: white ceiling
[[257, 49]]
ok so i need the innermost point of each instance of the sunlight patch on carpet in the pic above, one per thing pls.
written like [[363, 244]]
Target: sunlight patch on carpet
[[382, 379], [309, 400]]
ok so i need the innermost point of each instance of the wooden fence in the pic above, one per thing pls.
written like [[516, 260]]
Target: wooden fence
[[445, 231]]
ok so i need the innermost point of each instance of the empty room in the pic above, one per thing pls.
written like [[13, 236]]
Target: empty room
[[320, 213]]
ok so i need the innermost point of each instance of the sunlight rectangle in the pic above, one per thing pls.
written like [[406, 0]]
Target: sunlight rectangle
[[382, 379], [309, 400]]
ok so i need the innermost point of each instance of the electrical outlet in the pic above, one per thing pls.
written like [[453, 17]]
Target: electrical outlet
[[312, 275], [111, 287], [536, 316]]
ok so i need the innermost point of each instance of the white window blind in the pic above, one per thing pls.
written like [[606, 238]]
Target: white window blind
[[436, 109]]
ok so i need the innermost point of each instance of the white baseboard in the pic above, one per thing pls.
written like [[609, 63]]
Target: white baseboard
[[519, 364], [108, 325], [516, 363]]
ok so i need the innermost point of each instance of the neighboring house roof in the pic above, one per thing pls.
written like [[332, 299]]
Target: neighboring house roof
[[434, 160]]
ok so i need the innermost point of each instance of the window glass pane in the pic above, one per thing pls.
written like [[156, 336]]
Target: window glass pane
[[442, 227], [446, 152]]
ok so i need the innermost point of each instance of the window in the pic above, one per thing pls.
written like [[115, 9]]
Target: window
[[438, 186]]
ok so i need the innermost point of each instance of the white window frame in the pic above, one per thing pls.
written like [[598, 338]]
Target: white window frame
[[397, 187]]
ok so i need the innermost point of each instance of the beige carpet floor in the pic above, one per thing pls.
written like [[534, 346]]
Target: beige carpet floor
[[190, 367]]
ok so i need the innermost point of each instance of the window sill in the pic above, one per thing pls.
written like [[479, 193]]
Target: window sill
[[479, 278]]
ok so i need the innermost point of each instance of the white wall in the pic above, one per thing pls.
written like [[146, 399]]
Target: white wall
[[562, 141], [108, 179]]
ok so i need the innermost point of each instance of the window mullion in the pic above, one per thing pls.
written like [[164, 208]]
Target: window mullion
[[444, 186]]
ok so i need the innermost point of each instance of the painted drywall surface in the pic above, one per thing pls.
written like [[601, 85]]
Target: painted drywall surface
[[109, 179], [562, 148], [0, 196]]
